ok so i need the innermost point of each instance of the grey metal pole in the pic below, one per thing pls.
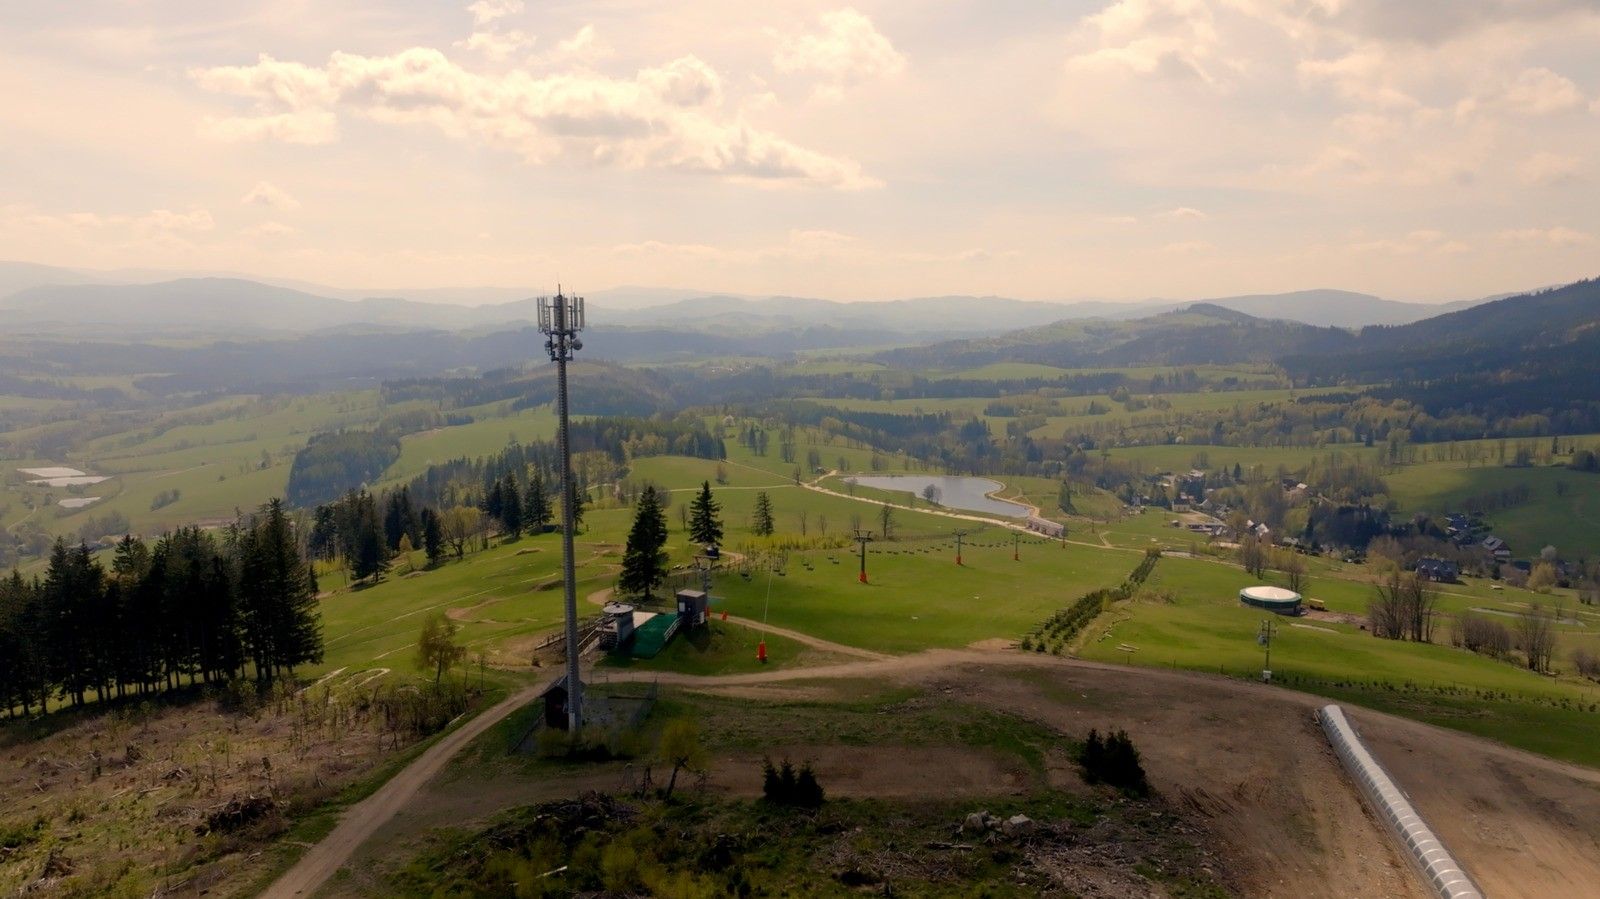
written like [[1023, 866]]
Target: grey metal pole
[[560, 340]]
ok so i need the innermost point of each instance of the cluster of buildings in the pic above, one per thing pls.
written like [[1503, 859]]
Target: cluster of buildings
[[1468, 531]]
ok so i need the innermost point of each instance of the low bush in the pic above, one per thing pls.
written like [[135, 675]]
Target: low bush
[[786, 785], [1113, 761]]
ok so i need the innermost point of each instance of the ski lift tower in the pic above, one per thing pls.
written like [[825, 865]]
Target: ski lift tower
[[560, 319]]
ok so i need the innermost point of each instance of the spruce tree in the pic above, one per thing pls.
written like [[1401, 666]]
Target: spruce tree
[[536, 511], [372, 557], [580, 499], [511, 508], [399, 519], [494, 500], [644, 560], [432, 536], [761, 522], [282, 625], [705, 528]]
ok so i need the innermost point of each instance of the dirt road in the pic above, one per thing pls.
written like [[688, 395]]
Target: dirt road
[[1250, 760], [362, 819], [1245, 760]]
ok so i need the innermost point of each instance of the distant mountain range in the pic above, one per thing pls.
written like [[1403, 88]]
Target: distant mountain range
[[1532, 358], [50, 299], [1196, 334]]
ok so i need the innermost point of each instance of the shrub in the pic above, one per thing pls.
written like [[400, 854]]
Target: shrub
[[1587, 663], [1480, 635], [1113, 761], [789, 786]]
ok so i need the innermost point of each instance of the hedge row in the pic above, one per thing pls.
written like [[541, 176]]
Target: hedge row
[[1060, 628]]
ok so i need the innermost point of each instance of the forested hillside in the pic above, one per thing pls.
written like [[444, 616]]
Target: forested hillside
[[1527, 357], [1198, 335]]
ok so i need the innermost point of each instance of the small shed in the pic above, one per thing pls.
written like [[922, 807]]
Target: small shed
[[555, 703], [693, 607]]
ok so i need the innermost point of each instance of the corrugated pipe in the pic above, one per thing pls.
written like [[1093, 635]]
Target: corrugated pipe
[[1417, 840]]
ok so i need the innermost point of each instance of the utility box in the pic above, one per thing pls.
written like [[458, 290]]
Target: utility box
[[693, 607]]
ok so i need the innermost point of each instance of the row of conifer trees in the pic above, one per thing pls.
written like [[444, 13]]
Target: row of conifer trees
[[191, 607]]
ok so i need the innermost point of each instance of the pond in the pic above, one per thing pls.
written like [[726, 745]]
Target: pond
[[968, 494]]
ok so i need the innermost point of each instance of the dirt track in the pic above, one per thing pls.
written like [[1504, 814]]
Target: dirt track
[[1245, 760], [362, 819]]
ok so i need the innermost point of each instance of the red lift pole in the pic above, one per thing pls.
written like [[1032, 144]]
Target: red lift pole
[[863, 538]]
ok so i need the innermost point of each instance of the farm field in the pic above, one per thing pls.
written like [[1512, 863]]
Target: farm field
[[218, 457], [488, 434], [1182, 457], [1562, 508]]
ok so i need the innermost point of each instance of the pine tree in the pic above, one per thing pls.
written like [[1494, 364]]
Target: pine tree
[[580, 500], [494, 500], [282, 627], [511, 508], [536, 505], [24, 675], [372, 557], [644, 560], [432, 536], [761, 522], [399, 518], [705, 528]]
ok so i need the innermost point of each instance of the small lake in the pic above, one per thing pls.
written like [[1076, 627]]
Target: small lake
[[967, 494]]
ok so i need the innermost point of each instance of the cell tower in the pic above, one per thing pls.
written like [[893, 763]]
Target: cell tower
[[560, 319]]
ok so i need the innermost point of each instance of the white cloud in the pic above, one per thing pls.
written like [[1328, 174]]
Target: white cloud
[[270, 195], [665, 117], [306, 126], [848, 50], [1169, 38], [165, 220], [486, 11], [1424, 241], [584, 45], [155, 223], [1539, 91], [684, 82], [1558, 236], [1364, 76], [806, 246], [271, 229], [284, 84], [1182, 213], [497, 45], [1544, 169]]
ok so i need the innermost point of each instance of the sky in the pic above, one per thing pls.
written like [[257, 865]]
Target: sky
[[1422, 150]]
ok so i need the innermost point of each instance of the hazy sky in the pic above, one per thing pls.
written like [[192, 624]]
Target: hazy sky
[[1425, 149]]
